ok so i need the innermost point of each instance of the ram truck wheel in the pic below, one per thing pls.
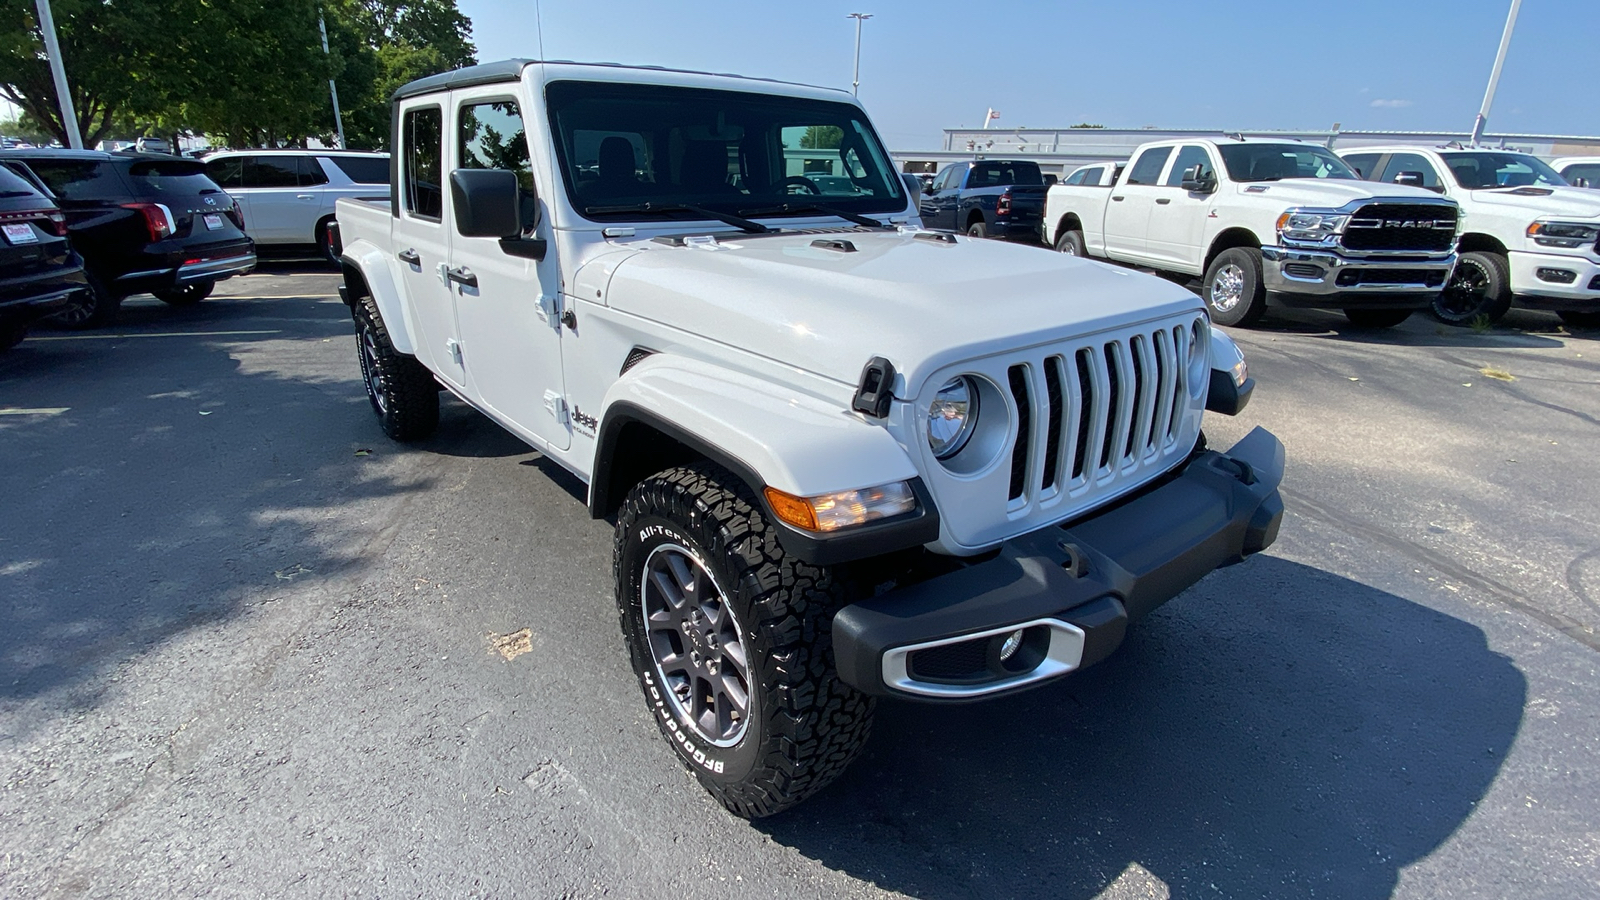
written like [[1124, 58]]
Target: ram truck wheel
[[1070, 243], [1377, 318], [1479, 290], [401, 389], [1233, 289], [977, 229], [731, 640]]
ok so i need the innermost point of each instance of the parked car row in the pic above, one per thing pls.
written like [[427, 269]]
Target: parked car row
[[287, 196], [1375, 232]]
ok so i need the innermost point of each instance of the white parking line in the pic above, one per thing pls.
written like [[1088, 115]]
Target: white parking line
[[163, 334], [42, 411]]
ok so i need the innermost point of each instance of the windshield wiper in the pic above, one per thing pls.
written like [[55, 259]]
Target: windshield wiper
[[740, 223], [812, 207]]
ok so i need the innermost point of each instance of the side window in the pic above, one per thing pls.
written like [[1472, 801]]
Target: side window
[[1147, 168], [1077, 177], [491, 135], [1412, 162], [270, 172], [227, 172], [1363, 163], [423, 144], [1589, 172], [1092, 176], [1190, 155], [311, 173]]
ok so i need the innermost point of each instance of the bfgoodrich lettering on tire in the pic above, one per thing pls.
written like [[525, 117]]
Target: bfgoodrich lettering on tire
[[731, 640]]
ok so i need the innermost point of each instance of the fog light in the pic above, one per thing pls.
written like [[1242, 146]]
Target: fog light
[[1011, 645]]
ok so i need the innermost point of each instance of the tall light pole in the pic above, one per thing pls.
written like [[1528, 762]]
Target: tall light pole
[[333, 89], [855, 82], [69, 116], [1494, 74]]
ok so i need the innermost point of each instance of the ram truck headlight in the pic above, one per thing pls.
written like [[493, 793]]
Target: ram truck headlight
[[1564, 234], [1309, 226], [842, 509], [952, 416]]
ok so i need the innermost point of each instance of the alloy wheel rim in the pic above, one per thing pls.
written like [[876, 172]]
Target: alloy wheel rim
[[371, 372], [1068, 247], [1467, 291], [696, 645], [1227, 290]]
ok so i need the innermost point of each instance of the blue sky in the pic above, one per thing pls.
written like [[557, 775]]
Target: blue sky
[[932, 64]]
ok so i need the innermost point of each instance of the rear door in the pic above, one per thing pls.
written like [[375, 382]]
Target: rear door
[[510, 336], [282, 206], [1128, 214], [421, 243]]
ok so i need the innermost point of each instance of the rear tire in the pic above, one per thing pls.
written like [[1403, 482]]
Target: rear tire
[[1580, 319], [94, 307], [1479, 288], [187, 295], [1233, 289], [401, 389], [741, 681], [1070, 243], [1377, 318], [977, 230]]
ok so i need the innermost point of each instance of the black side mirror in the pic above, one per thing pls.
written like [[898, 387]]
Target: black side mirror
[[913, 186], [487, 202], [1198, 182], [1413, 179]]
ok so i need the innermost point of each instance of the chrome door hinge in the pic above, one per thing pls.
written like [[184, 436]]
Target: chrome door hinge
[[557, 405]]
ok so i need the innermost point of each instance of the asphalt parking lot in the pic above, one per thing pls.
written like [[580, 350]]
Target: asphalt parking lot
[[251, 648]]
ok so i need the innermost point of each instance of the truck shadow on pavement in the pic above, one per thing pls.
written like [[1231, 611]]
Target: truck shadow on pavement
[[1278, 732]]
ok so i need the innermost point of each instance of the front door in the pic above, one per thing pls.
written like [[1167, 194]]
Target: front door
[[421, 242], [510, 333], [1178, 218]]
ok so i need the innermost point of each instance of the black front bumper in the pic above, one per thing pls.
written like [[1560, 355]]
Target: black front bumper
[[1071, 590]]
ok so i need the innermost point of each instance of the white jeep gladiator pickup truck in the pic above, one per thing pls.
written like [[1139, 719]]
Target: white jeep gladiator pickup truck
[[845, 457], [1526, 236], [1264, 220]]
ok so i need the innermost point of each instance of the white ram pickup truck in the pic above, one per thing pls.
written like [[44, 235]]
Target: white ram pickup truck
[[1264, 221], [845, 457], [1527, 237]]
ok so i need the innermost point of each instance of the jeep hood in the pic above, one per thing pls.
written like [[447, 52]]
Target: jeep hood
[[1557, 202], [1330, 193], [920, 303]]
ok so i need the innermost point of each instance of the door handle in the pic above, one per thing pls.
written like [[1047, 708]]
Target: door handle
[[1116, 198], [409, 257], [463, 276], [1163, 200], [305, 196]]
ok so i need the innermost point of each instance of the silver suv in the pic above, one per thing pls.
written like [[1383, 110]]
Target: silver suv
[[287, 195]]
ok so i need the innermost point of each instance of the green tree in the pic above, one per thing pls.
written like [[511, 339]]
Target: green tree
[[387, 43], [822, 137]]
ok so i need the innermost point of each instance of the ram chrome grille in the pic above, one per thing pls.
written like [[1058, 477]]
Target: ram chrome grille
[[1108, 412], [1401, 228]]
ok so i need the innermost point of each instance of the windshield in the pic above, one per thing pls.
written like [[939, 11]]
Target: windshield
[[1273, 162], [1494, 170], [624, 145]]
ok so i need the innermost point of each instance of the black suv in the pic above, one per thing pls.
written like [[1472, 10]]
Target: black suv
[[39, 272], [143, 222]]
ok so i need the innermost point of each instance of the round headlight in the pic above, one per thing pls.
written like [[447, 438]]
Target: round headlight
[[952, 416]]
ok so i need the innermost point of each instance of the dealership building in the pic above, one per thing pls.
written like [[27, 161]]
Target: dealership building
[[1060, 150]]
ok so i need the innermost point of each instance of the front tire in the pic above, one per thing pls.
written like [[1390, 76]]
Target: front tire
[[1377, 318], [1479, 288], [1233, 289], [187, 295], [401, 389], [731, 639], [1070, 243]]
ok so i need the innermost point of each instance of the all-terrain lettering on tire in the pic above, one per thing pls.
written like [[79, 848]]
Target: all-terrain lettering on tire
[[731, 641]]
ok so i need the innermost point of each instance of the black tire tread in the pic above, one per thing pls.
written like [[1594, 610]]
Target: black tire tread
[[1252, 308], [412, 394], [818, 723], [1497, 305]]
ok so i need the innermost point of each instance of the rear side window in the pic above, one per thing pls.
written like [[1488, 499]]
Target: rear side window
[[1363, 163], [228, 171], [271, 172], [14, 185], [1147, 170], [80, 179], [157, 180], [423, 142], [997, 173], [310, 172], [362, 169]]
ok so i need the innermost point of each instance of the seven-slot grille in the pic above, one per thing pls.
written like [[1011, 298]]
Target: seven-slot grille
[[1097, 413], [1402, 228]]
